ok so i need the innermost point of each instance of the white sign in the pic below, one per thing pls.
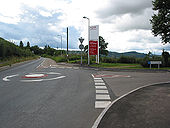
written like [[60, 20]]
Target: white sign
[[94, 33], [155, 62]]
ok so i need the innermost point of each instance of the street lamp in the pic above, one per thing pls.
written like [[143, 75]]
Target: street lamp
[[61, 43], [88, 37]]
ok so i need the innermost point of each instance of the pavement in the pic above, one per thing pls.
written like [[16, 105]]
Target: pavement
[[146, 107]]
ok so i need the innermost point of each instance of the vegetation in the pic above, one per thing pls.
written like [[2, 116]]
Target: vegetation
[[8, 49], [161, 20], [11, 53]]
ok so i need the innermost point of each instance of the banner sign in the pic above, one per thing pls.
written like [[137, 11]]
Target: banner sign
[[93, 47], [94, 32]]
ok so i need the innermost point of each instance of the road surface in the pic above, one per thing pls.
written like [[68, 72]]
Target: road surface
[[41, 95]]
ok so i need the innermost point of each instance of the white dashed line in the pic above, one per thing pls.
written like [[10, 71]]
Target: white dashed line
[[99, 83], [102, 94], [102, 97], [100, 87], [102, 104], [97, 78], [102, 91]]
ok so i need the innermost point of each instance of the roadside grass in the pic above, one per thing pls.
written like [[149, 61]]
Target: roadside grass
[[13, 60], [102, 65], [116, 65], [124, 66]]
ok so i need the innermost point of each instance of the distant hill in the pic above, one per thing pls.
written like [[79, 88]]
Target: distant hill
[[117, 55], [8, 49], [132, 53]]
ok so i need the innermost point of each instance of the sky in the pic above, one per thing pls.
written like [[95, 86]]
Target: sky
[[125, 25]]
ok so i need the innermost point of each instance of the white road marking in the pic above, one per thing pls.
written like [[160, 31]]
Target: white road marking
[[52, 73], [99, 83], [102, 91], [6, 78], [100, 87], [69, 67], [43, 79], [102, 97], [41, 64], [97, 78], [75, 67], [34, 75], [102, 104], [53, 67], [61, 67]]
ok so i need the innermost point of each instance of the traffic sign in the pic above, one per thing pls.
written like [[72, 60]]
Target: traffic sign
[[81, 40], [81, 46]]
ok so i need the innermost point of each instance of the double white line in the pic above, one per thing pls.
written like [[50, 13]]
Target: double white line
[[102, 93]]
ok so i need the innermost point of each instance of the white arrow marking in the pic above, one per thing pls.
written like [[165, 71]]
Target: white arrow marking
[[6, 78]]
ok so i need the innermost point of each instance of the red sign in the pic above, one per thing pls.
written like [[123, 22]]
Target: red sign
[[93, 47]]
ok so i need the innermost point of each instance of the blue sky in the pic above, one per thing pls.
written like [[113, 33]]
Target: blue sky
[[123, 24]]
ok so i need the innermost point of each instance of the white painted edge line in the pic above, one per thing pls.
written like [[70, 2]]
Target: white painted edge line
[[43, 79], [102, 104], [6, 78], [99, 83], [92, 75], [96, 123], [41, 63]]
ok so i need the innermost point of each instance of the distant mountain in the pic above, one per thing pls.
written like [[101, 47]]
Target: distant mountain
[[117, 55], [132, 53]]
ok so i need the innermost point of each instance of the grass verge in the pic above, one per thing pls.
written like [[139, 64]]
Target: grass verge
[[13, 60]]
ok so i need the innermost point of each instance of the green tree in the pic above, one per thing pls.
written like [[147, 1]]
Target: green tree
[[102, 46], [28, 45], [161, 20], [21, 45], [165, 56]]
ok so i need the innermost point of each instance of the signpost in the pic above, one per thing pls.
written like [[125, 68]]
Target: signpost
[[94, 42], [154, 62], [81, 46]]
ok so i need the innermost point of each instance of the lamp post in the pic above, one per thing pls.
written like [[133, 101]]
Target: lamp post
[[88, 37], [61, 43]]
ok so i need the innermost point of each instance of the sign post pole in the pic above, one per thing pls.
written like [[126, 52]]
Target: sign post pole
[[81, 46]]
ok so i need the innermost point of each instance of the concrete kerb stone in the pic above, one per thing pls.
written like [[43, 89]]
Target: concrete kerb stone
[[96, 123]]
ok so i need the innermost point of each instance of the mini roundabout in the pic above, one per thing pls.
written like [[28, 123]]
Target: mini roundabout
[[34, 77]]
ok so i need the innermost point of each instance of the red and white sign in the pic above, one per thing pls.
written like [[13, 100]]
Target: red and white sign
[[93, 47]]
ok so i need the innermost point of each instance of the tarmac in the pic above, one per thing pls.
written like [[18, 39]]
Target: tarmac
[[148, 107], [143, 100], [136, 106]]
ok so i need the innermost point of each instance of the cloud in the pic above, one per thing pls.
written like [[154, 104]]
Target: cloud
[[121, 7], [38, 28], [123, 24]]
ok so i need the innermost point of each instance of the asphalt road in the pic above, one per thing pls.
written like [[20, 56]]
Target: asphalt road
[[63, 98]]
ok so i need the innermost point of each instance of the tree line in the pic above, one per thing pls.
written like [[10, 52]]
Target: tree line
[[8, 49]]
